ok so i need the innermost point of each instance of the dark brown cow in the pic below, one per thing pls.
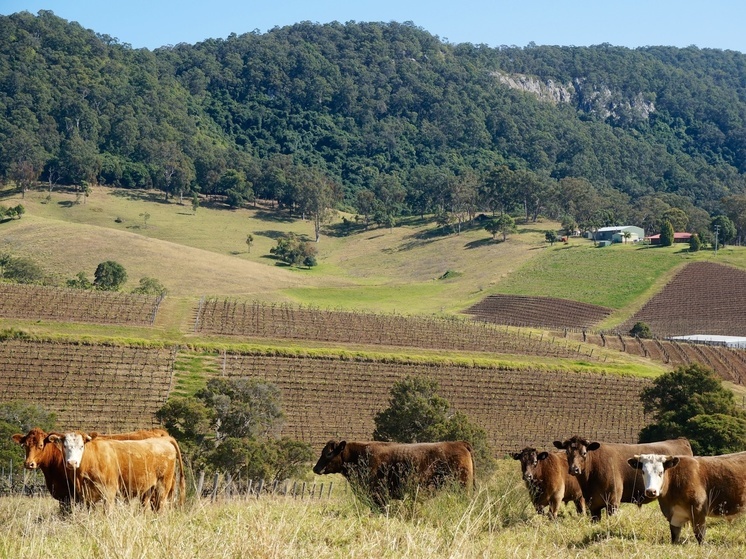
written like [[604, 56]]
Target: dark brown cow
[[387, 468], [41, 454], [604, 475], [691, 488], [548, 480], [105, 468]]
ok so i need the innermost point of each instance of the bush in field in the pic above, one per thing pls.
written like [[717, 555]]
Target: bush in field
[[231, 426], [695, 243], [295, 251], [109, 276], [20, 269], [150, 286], [416, 413], [691, 402], [20, 417], [641, 330]]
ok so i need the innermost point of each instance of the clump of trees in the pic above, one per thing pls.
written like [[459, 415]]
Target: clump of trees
[[691, 402], [295, 251], [641, 330], [12, 212], [20, 269], [233, 425], [109, 276], [417, 413]]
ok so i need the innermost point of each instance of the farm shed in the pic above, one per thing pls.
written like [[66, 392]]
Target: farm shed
[[615, 233], [711, 339], [677, 238]]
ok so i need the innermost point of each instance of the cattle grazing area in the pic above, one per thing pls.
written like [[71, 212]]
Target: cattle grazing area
[[537, 312], [89, 386], [326, 398], [703, 298], [498, 521], [285, 321], [38, 302]]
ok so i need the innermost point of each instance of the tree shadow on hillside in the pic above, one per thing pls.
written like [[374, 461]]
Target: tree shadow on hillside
[[275, 216], [271, 234], [482, 243], [138, 195]]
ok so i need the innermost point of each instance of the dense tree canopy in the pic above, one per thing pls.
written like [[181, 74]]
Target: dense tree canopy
[[385, 111]]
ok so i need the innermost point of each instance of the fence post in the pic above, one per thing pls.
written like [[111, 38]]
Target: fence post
[[200, 483], [303, 491], [295, 483], [215, 486], [331, 483], [259, 487]]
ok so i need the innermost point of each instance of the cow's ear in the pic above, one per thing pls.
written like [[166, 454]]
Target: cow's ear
[[515, 455], [88, 438], [559, 445], [17, 438], [593, 446], [670, 462], [53, 438], [542, 456], [340, 447], [635, 462]]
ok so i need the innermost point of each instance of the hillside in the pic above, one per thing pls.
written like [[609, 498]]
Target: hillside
[[398, 121]]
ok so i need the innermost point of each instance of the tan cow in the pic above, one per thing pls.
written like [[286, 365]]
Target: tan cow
[[691, 488], [603, 473], [105, 468], [47, 457], [387, 468], [548, 480]]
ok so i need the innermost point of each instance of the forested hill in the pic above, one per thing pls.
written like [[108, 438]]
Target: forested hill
[[399, 119]]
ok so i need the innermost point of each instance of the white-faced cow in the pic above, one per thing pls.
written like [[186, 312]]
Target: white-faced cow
[[386, 469], [105, 468], [691, 488], [42, 454], [604, 475], [548, 480]]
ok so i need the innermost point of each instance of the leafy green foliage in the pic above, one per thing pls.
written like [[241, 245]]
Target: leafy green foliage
[[150, 286], [80, 281], [232, 425], [20, 417], [667, 234], [695, 244], [417, 413], [691, 402], [109, 276], [725, 228], [641, 330], [20, 269], [295, 251]]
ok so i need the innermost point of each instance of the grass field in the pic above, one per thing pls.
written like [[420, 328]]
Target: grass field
[[498, 521], [413, 268]]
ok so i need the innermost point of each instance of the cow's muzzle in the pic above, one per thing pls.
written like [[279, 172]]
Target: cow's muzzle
[[30, 465], [574, 470], [73, 464], [651, 493]]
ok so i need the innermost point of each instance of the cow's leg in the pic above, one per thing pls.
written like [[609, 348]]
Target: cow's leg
[[675, 533], [596, 513], [554, 505], [580, 506], [699, 520]]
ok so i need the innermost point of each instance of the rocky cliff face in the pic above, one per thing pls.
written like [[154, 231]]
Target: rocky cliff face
[[593, 99]]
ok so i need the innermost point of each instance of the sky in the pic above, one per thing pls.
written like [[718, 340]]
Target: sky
[[631, 23]]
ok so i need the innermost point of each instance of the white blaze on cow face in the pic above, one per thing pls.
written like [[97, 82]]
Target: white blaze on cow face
[[653, 468], [73, 445]]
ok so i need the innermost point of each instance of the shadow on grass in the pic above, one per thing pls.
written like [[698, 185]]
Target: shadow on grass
[[141, 195], [482, 243], [274, 216]]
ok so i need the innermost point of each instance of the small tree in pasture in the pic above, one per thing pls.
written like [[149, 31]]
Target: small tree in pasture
[[695, 243], [80, 281], [150, 286], [551, 237], [232, 425], [641, 330], [109, 276], [691, 402], [667, 234]]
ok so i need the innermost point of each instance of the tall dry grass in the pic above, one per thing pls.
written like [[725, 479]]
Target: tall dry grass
[[497, 521]]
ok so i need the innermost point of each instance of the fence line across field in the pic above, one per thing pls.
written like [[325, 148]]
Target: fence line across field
[[223, 486]]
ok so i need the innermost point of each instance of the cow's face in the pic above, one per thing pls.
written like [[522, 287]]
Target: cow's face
[[330, 461], [653, 468], [33, 445], [577, 450], [530, 459], [72, 446]]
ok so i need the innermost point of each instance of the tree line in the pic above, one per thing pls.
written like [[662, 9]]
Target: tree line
[[382, 119]]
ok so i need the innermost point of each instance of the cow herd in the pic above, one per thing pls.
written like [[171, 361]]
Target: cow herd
[[90, 467], [145, 466], [600, 476]]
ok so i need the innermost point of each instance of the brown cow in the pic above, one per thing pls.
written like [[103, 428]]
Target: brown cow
[[548, 480], [386, 468], [691, 488], [49, 459], [603, 473], [105, 468]]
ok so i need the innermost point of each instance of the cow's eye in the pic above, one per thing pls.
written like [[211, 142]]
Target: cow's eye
[[583, 454]]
